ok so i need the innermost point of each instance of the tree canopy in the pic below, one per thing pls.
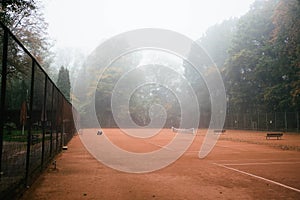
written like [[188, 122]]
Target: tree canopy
[[259, 56], [26, 20]]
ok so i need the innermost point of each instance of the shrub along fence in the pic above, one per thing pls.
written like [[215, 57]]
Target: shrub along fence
[[36, 119]]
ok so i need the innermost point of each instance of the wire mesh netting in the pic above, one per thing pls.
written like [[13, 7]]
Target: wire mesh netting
[[276, 121], [36, 119]]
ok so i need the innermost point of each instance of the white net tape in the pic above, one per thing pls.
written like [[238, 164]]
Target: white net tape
[[181, 130]]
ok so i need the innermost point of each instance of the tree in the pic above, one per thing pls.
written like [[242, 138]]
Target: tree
[[71, 58], [100, 76], [262, 71], [216, 43], [286, 41], [247, 70], [217, 40], [63, 82], [13, 11], [26, 21]]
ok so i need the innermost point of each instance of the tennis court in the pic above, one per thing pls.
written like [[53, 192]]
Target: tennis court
[[243, 165]]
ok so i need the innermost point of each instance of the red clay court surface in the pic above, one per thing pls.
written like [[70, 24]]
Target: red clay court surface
[[243, 165]]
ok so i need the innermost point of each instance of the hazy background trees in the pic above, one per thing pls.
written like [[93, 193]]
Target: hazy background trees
[[257, 54]]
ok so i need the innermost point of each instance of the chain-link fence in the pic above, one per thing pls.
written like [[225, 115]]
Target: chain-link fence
[[277, 121], [36, 119]]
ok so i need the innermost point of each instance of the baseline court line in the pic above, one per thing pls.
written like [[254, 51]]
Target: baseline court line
[[258, 177], [268, 163], [261, 159]]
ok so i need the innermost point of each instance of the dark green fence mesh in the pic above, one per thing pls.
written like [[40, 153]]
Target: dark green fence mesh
[[36, 119]]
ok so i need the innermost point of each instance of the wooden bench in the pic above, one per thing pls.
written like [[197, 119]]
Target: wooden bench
[[219, 131], [277, 135]]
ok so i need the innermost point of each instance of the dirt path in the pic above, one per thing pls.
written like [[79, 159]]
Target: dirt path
[[80, 176]]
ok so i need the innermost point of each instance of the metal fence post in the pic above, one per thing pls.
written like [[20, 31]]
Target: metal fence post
[[285, 121], [257, 121], [267, 124], [3, 92], [63, 125], [297, 122], [52, 117], [57, 125], [43, 123], [244, 121], [30, 124], [275, 121]]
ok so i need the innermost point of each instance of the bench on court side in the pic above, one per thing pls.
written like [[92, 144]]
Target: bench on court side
[[277, 135], [219, 131]]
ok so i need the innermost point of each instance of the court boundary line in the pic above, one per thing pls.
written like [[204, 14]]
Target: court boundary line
[[262, 163], [258, 177], [161, 146], [260, 159]]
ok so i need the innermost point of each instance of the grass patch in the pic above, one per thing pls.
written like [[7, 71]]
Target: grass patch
[[17, 136]]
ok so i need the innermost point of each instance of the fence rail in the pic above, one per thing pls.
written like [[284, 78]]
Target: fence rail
[[276, 121], [36, 120]]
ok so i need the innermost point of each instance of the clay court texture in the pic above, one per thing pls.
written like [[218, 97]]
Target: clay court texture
[[242, 165]]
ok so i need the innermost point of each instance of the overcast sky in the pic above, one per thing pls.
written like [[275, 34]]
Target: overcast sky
[[84, 24]]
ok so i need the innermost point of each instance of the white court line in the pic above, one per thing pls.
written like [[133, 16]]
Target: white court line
[[268, 163], [259, 177], [261, 159], [161, 146]]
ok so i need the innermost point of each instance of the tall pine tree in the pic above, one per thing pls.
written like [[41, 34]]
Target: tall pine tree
[[63, 82]]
